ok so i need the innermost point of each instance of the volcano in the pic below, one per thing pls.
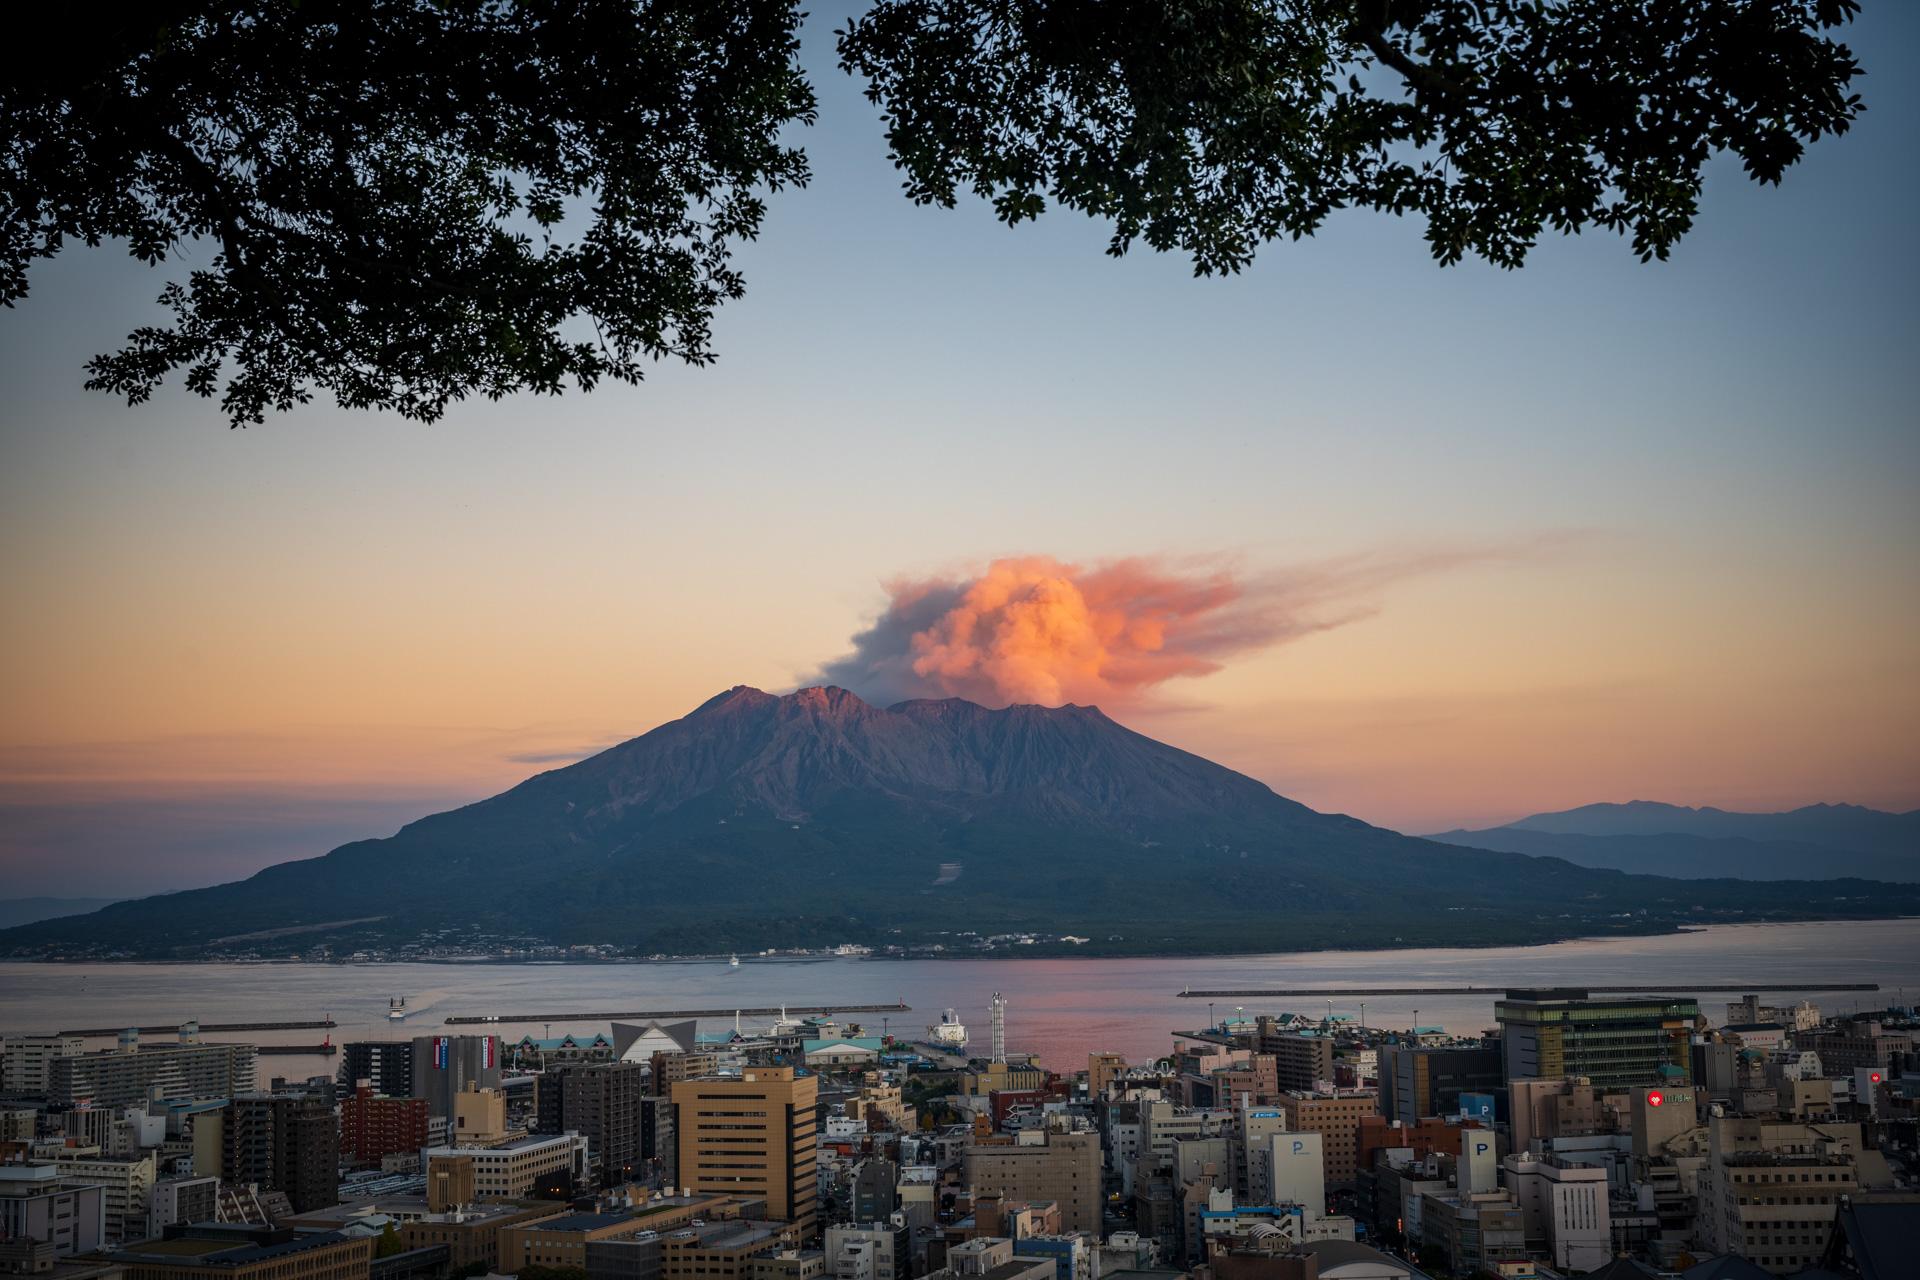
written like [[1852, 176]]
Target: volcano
[[761, 820]]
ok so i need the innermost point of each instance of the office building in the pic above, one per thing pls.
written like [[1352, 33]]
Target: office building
[[127, 1182], [1474, 1230], [1301, 1059], [1418, 1081], [37, 1202], [876, 1189], [286, 1142], [133, 1072], [723, 1250], [871, 1251], [1769, 1189], [206, 1251], [1616, 1043], [554, 1166], [444, 1066], [1036, 1164], [752, 1134], [387, 1065], [1336, 1116], [1564, 1208]]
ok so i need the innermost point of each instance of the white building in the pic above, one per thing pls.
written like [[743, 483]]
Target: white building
[[1565, 1208]]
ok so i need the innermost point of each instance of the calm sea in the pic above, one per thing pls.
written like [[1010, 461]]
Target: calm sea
[[1059, 1009]]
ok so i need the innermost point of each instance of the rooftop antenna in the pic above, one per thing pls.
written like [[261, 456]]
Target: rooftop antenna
[[999, 1011], [1363, 1015]]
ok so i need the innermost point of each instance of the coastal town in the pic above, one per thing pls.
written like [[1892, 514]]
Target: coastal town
[[1581, 1132]]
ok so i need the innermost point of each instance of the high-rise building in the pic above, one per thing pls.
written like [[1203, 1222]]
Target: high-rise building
[[1335, 1115], [876, 1189], [1301, 1059], [387, 1065], [26, 1062], [1616, 1043], [373, 1127], [753, 1134], [1417, 1081], [601, 1100], [1102, 1070], [1039, 1165], [133, 1072], [443, 1066], [287, 1142]]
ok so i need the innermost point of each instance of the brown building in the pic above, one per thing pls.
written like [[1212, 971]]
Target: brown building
[[209, 1250], [1102, 1070], [752, 1134], [1336, 1117], [1300, 1060], [561, 1240], [374, 1126], [1377, 1133], [1035, 1165], [286, 1142], [669, 1069], [471, 1233], [722, 1250]]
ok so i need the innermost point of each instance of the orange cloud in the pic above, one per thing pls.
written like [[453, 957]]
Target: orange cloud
[[1036, 629]]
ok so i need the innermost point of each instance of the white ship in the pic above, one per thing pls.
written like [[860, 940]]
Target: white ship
[[948, 1033], [396, 1009], [733, 962]]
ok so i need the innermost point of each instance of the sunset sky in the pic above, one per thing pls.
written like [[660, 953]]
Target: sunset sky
[[1492, 543]]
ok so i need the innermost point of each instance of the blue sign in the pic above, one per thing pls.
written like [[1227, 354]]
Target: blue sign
[[1477, 1106]]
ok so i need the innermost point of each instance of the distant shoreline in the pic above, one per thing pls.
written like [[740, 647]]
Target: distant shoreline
[[1055, 952]]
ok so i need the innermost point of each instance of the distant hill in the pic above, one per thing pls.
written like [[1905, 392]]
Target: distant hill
[[759, 821], [15, 911], [1663, 839]]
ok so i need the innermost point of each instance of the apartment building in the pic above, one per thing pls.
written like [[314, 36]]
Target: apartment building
[[1036, 1164], [133, 1072]]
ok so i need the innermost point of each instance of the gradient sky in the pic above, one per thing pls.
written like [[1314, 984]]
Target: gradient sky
[[1691, 492]]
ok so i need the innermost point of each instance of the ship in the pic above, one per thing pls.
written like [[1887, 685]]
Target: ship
[[733, 962], [396, 1009], [948, 1033]]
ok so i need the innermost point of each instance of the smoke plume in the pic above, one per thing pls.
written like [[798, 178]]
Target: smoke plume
[[1036, 629]]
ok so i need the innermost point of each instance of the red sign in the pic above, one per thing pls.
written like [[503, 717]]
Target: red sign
[[1655, 1098]]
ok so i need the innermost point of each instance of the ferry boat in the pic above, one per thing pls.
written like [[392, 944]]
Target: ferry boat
[[733, 962], [396, 1009]]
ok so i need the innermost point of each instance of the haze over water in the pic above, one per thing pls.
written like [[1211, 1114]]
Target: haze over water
[[1059, 1009]]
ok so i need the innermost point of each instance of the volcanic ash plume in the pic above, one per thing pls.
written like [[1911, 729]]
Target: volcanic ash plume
[[1035, 629]]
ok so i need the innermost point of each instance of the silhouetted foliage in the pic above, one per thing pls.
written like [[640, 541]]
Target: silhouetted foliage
[[417, 201], [1212, 126], [414, 201]]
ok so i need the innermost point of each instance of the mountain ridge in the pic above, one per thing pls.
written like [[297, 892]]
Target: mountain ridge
[[1704, 841], [781, 820]]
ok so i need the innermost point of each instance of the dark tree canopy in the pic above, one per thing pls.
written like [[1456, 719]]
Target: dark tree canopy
[[418, 200]]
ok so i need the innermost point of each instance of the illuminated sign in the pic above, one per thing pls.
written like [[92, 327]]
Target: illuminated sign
[[1655, 1098], [1874, 1076]]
